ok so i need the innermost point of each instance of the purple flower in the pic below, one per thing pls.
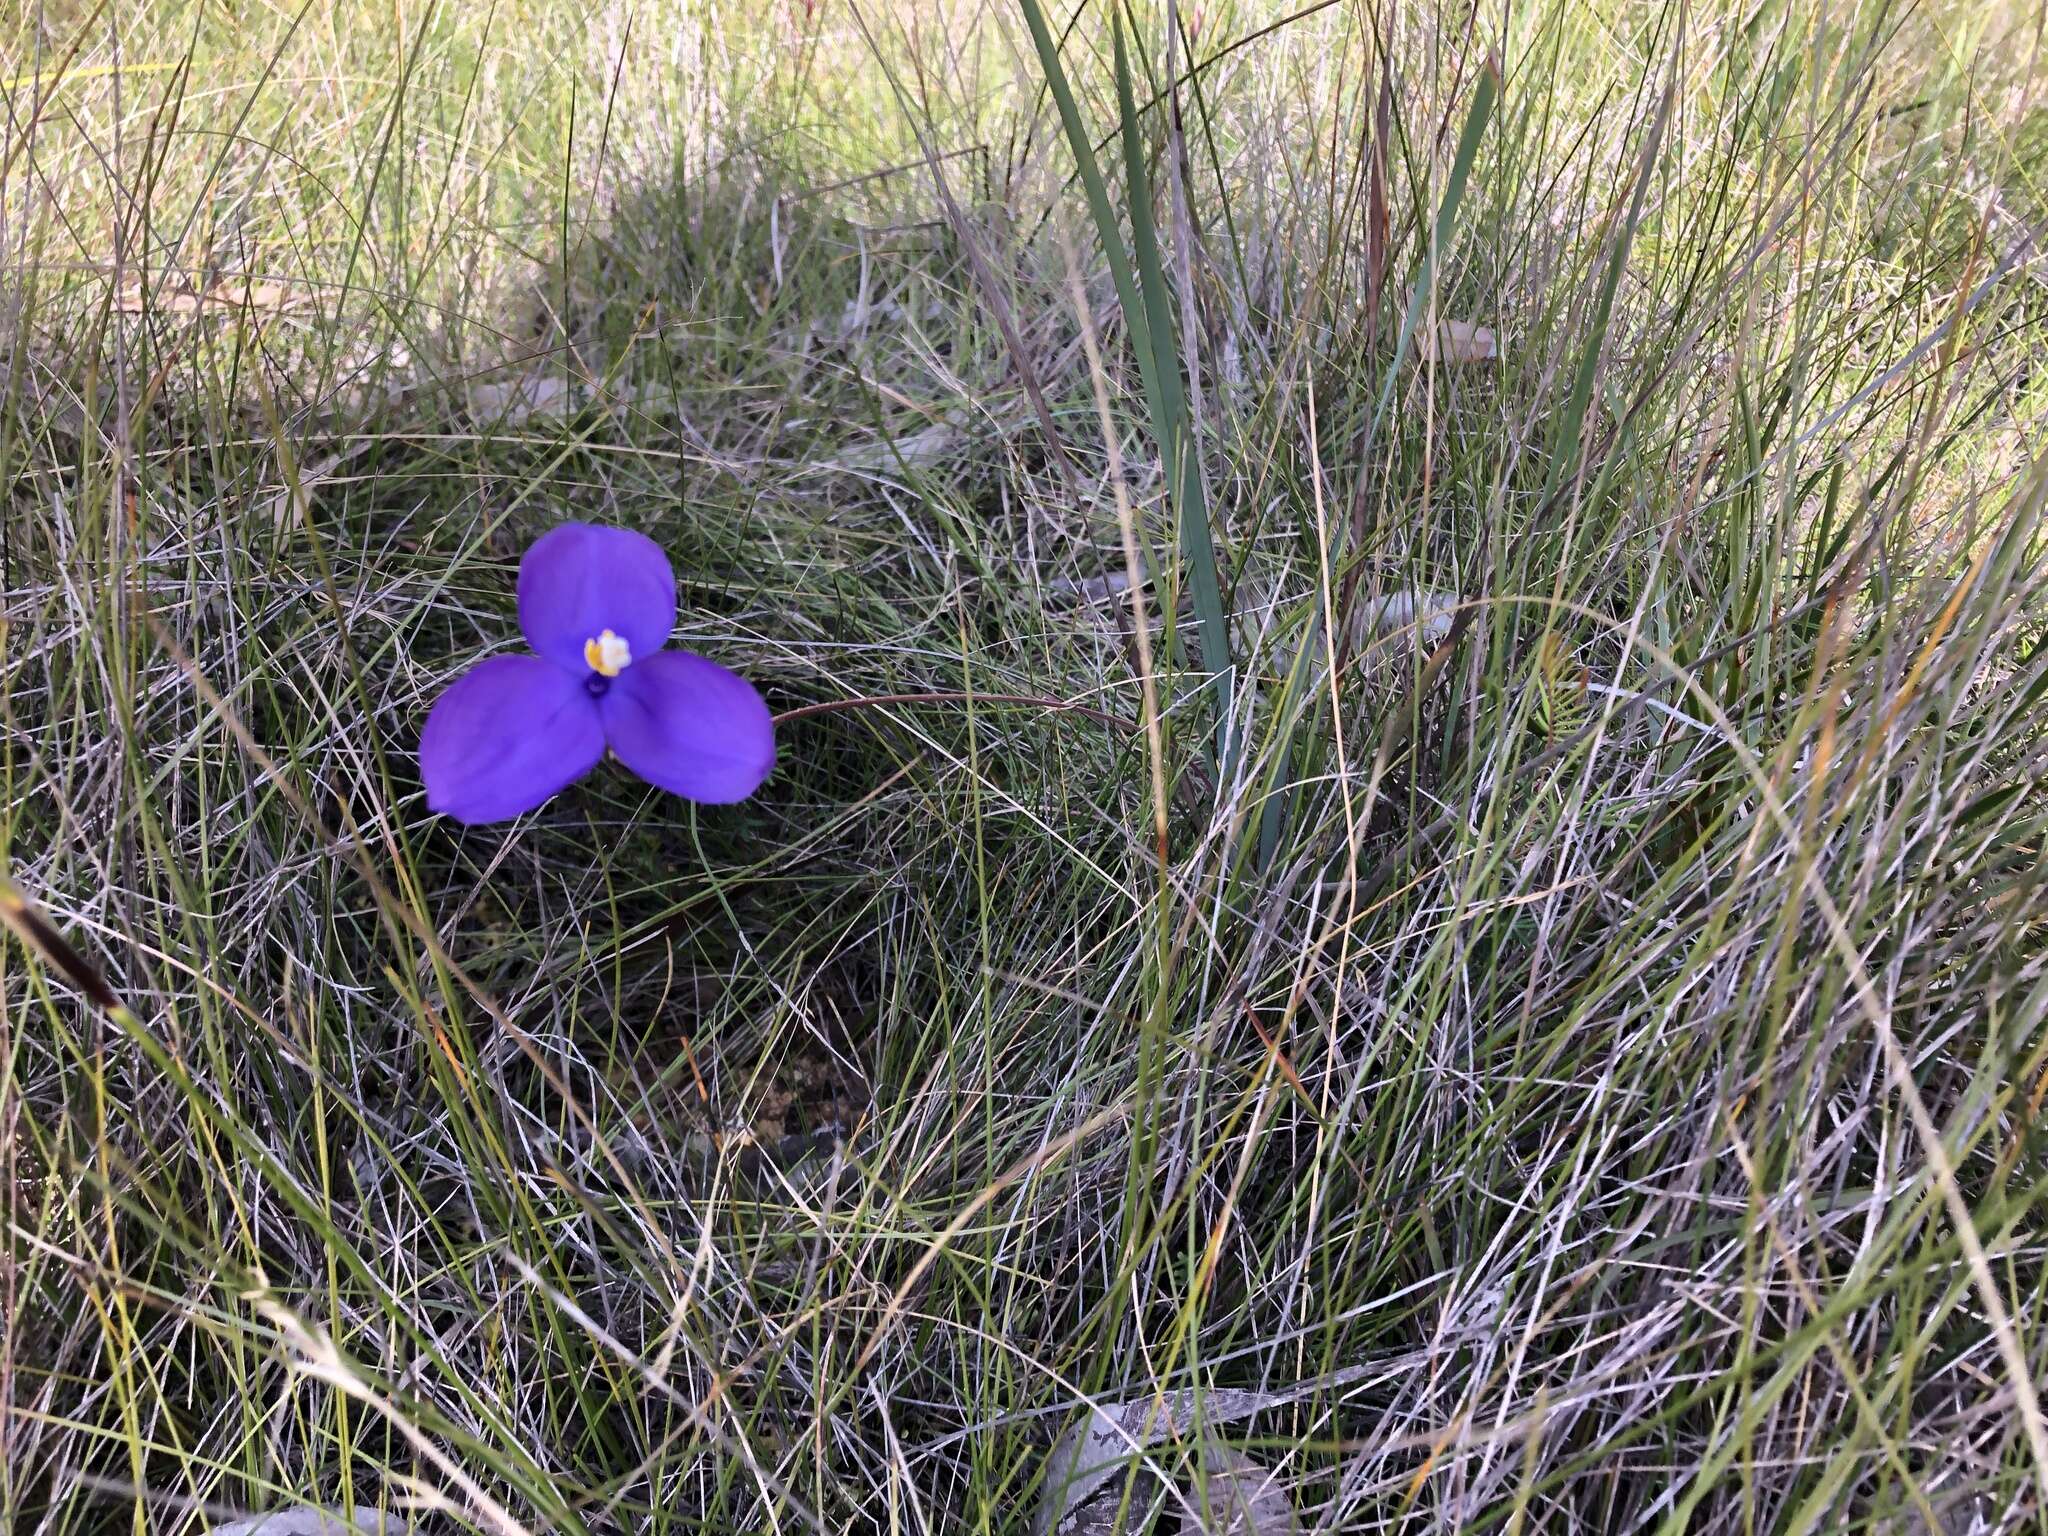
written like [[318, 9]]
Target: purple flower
[[596, 604]]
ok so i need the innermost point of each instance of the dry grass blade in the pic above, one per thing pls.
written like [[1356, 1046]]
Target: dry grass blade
[[1562, 1047]]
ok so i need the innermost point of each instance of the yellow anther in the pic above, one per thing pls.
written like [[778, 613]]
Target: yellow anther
[[608, 655]]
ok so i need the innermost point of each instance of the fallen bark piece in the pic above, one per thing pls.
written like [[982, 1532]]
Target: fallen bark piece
[[1459, 341], [1084, 1475], [312, 1520], [1240, 1497]]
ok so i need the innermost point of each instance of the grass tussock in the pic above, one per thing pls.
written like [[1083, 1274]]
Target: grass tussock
[[1407, 849]]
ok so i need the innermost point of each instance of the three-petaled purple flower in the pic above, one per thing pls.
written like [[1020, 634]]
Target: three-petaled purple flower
[[595, 604]]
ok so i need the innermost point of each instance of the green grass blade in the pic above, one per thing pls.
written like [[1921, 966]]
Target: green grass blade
[[1273, 820], [1566, 440], [1172, 427], [1484, 97], [1141, 293]]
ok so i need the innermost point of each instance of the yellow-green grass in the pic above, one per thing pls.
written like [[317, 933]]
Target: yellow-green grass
[[1567, 1037]]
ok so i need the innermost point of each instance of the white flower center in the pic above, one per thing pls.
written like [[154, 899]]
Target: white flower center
[[608, 655]]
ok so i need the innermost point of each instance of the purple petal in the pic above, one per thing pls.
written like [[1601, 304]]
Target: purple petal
[[579, 580], [688, 726], [509, 733]]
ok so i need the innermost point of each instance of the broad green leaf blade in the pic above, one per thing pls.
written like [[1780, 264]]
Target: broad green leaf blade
[[1171, 425], [1148, 315]]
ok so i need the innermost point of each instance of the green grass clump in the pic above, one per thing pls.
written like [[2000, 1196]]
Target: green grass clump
[[1409, 828]]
